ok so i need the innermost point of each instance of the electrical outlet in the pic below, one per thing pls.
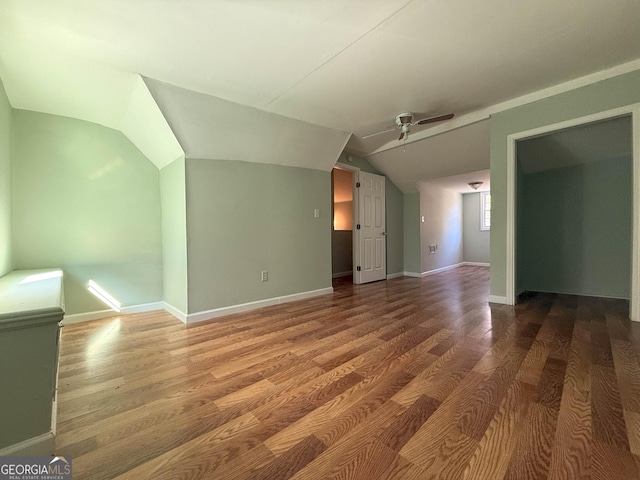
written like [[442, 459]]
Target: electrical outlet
[[264, 276]]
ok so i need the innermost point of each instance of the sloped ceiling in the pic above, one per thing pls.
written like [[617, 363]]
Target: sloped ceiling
[[349, 66], [610, 139], [465, 149], [47, 81], [209, 127]]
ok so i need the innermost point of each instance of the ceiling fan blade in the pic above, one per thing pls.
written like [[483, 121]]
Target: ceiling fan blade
[[402, 134], [380, 133], [439, 118]]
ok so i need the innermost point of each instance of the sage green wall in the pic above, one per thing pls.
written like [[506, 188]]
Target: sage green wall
[[605, 95], [411, 224], [243, 218], [475, 242], [6, 261], [395, 228], [394, 206], [174, 234], [85, 199], [575, 230], [442, 210]]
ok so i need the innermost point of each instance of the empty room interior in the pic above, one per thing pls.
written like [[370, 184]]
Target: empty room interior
[[311, 240]]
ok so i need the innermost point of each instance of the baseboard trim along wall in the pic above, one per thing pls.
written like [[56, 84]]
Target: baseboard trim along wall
[[244, 307], [498, 299], [411, 274], [179, 314], [42, 445], [441, 269], [395, 275], [476, 264], [88, 316]]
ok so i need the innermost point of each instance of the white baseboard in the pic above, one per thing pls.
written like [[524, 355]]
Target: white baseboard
[[342, 274], [245, 307], [411, 274], [395, 275], [498, 299], [476, 264], [179, 314], [442, 269], [88, 316], [42, 445]]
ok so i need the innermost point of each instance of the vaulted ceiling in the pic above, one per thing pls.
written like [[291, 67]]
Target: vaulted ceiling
[[343, 68]]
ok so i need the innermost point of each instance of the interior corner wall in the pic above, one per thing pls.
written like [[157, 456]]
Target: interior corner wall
[[394, 209], [87, 200], [6, 128], [245, 218], [598, 97], [475, 242], [575, 229], [174, 235], [411, 233], [442, 211]]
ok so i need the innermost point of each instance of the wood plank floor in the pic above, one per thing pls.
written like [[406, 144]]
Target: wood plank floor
[[404, 379]]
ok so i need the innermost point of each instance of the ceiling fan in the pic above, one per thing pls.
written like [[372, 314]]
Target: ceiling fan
[[404, 122]]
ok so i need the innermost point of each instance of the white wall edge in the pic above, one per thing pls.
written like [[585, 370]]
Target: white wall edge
[[245, 307], [411, 274], [179, 314], [42, 445], [395, 275], [498, 299], [441, 269], [88, 316], [476, 264], [342, 274]]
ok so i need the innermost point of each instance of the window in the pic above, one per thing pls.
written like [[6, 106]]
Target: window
[[485, 210]]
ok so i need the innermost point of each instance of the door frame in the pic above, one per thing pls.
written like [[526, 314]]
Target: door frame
[[634, 111], [355, 247]]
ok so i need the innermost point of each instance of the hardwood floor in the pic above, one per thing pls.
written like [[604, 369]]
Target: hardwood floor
[[404, 379]]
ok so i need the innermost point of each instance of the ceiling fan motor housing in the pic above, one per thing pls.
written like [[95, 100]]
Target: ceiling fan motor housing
[[404, 119]]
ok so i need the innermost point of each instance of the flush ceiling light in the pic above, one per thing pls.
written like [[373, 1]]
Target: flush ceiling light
[[475, 185]]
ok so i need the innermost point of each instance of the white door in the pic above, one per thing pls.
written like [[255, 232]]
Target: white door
[[370, 229]]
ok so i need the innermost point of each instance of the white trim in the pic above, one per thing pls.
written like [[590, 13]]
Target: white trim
[[179, 314], [88, 316], [244, 307], [342, 274], [483, 211], [498, 299], [42, 445], [391, 276], [412, 274], [441, 269], [476, 264], [485, 113], [634, 111], [355, 238]]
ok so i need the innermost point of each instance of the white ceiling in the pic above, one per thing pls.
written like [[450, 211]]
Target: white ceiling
[[345, 65]]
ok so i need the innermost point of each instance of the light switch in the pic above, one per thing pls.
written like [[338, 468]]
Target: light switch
[[316, 213], [422, 218]]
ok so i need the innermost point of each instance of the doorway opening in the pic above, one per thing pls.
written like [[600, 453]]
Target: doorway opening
[[342, 225], [573, 223]]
